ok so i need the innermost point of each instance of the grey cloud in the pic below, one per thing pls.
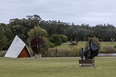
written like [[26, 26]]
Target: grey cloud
[[78, 11]]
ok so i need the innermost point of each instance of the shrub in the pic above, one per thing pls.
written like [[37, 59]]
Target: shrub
[[60, 52], [2, 53], [63, 38], [115, 46], [75, 51], [96, 41], [31, 51], [63, 53], [52, 45], [109, 49], [51, 52], [58, 39], [55, 39], [102, 51]]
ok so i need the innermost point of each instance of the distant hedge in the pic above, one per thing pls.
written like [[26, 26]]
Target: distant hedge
[[74, 52], [63, 38], [57, 39]]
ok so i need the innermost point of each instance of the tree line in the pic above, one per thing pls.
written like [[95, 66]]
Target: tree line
[[21, 27]]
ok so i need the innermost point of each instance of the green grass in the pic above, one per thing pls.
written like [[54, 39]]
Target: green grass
[[108, 44], [82, 44], [56, 67], [66, 45]]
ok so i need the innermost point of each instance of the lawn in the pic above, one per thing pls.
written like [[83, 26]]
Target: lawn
[[56, 67], [82, 44], [112, 44], [66, 45]]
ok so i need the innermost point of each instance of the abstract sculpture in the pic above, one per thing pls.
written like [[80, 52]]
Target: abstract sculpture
[[89, 54], [72, 42], [36, 43], [81, 53]]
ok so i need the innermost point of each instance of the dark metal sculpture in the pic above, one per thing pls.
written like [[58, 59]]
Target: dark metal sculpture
[[91, 52], [81, 53], [87, 53], [93, 49], [73, 43], [36, 43]]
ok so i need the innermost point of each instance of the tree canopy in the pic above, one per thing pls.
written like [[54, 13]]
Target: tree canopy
[[21, 27]]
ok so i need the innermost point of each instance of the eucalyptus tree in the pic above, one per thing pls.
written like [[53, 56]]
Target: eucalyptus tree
[[5, 36], [70, 31], [54, 27]]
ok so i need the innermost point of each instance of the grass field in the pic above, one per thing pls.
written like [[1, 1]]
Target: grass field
[[82, 44], [56, 67], [66, 45]]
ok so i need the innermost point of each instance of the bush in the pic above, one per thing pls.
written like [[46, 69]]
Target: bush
[[63, 38], [75, 51], [109, 49], [51, 52], [102, 51], [2, 53], [95, 40], [52, 45], [55, 39], [115, 46], [63, 52], [58, 39], [31, 51]]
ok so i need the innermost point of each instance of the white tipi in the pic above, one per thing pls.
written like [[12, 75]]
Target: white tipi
[[17, 49]]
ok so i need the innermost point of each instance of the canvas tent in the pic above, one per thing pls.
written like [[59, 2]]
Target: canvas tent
[[18, 49]]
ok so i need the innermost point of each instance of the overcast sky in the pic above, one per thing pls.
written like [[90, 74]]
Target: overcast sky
[[90, 12]]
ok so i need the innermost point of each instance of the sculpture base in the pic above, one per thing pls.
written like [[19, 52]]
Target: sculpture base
[[37, 56], [87, 63]]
